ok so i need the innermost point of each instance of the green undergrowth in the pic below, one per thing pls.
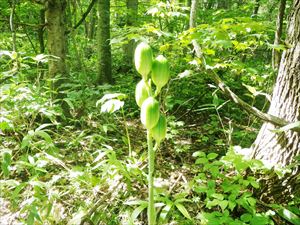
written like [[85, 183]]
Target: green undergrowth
[[65, 171]]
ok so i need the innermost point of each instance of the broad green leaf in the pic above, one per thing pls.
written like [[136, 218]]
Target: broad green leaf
[[218, 196], [6, 161], [201, 161], [165, 211], [246, 217], [136, 212], [69, 102], [223, 204], [44, 135], [183, 210], [27, 139], [259, 219], [5, 125], [212, 155], [199, 154]]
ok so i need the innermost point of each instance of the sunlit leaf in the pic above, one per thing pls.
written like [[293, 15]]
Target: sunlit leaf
[[183, 210], [111, 106]]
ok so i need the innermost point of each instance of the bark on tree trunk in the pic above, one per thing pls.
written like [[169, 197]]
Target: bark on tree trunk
[[193, 13], [276, 55], [104, 48], [132, 12], [92, 25], [55, 19], [279, 149], [12, 26], [41, 31]]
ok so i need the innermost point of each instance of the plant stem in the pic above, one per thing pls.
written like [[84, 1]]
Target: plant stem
[[127, 133], [151, 155]]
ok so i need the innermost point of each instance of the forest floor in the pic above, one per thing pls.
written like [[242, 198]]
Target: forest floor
[[6, 216]]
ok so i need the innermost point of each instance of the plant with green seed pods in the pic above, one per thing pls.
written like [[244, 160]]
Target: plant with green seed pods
[[151, 117]]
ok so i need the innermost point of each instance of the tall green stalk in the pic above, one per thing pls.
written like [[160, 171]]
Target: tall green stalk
[[151, 157], [151, 117]]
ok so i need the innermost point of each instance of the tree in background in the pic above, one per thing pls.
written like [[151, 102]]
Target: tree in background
[[276, 55], [131, 20], [56, 41], [104, 48]]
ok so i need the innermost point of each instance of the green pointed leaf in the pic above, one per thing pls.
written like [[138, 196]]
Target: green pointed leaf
[[183, 210], [44, 135], [136, 212], [212, 155]]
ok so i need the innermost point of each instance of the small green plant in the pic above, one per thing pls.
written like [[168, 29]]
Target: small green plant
[[151, 117]]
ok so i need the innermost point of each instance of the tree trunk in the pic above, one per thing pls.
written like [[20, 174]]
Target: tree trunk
[[132, 12], [92, 25], [131, 20], [276, 55], [104, 48], [41, 31], [12, 26], [279, 149], [193, 13], [55, 19]]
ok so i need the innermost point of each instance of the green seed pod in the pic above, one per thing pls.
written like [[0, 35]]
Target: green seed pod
[[141, 93], [160, 130], [160, 71], [143, 59], [150, 112]]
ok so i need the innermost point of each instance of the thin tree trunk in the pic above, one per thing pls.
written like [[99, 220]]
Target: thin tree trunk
[[92, 25], [132, 12], [104, 48], [11, 23], [276, 55], [279, 149], [41, 31], [193, 13], [132, 17]]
